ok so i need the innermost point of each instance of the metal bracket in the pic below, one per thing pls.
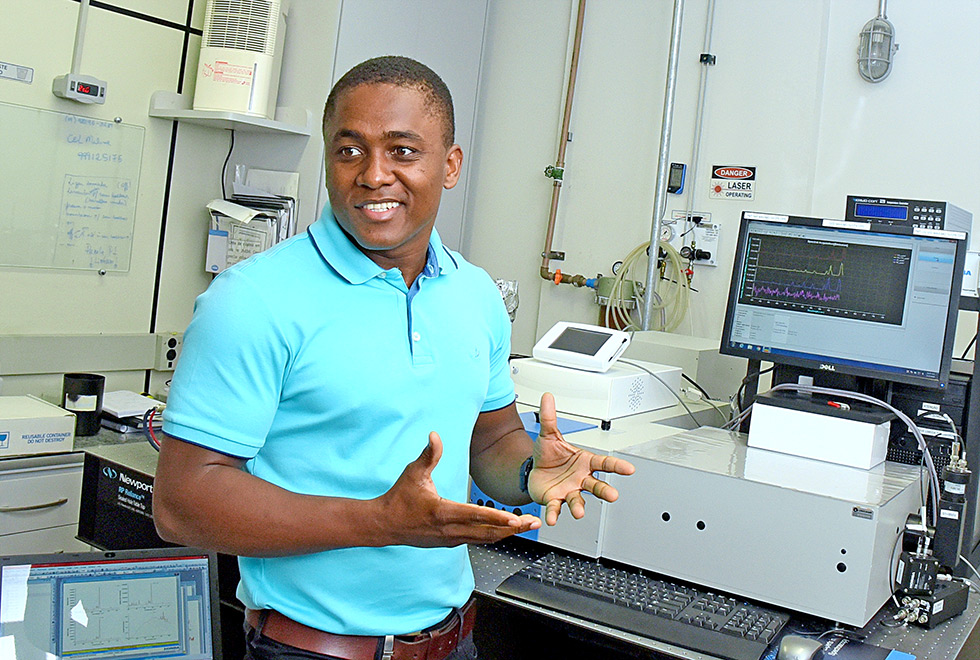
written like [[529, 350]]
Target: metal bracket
[[554, 255]]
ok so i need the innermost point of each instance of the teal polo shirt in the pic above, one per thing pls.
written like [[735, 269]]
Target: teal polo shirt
[[327, 374]]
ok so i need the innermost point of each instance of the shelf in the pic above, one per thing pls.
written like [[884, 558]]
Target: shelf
[[170, 105]]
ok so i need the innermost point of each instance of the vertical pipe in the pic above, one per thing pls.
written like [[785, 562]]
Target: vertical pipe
[[76, 56], [660, 197], [692, 178], [563, 139]]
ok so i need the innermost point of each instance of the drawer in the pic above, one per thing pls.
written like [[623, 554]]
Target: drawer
[[39, 497], [54, 539]]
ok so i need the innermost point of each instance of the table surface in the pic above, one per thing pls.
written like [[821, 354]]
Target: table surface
[[948, 641]]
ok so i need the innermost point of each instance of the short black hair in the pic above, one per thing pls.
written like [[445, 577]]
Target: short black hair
[[402, 72]]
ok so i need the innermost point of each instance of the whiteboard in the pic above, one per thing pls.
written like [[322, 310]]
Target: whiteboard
[[68, 188]]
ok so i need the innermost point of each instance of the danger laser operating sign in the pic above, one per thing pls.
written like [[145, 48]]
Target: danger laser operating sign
[[732, 182]]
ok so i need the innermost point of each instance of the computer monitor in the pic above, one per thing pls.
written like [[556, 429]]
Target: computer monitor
[[123, 605], [844, 297]]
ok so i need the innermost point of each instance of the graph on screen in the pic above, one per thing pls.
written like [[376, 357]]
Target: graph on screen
[[850, 280], [103, 616]]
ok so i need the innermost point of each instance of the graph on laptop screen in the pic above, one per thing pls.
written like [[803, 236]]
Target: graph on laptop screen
[[845, 297], [126, 605]]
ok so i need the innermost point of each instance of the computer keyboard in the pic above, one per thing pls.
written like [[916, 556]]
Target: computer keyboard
[[679, 615]]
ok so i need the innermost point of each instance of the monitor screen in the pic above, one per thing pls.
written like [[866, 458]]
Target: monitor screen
[[580, 340], [846, 297], [125, 605]]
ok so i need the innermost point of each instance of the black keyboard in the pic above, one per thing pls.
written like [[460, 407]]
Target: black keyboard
[[679, 615]]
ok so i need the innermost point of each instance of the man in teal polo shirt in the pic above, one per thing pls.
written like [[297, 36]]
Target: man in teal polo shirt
[[312, 375]]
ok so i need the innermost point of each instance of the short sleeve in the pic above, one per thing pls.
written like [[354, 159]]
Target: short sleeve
[[227, 385], [500, 391]]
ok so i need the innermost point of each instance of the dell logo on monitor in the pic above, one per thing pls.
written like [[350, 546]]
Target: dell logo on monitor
[[828, 367]]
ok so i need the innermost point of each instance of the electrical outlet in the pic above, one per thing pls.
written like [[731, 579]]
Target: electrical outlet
[[168, 350]]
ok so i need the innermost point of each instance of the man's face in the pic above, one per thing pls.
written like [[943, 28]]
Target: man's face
[[387, 164]]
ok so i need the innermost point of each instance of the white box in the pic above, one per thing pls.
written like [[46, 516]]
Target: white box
[[29, 425], [584, 535], [701, 508], [698, 357], [859, 441], [621, 391]]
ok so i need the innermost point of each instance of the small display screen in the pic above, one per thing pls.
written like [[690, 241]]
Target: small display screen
[[85, 88], [578, 340], [886, 212]]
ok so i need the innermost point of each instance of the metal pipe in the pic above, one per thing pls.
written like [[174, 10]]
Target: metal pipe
[[699, 118], [562, 144], [660, 196], [76, 56]]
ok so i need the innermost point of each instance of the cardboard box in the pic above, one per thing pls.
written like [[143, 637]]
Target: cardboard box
[[29, 425]]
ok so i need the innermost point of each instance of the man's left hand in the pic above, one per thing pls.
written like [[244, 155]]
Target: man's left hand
[[562, 472]]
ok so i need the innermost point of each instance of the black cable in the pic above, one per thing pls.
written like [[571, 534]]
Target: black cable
[[689, 287], [745, 381], [148, 428], [970, 345], [692, 382], [224, 168], [707, 397]]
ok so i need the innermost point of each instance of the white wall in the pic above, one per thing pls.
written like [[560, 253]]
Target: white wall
[[180, 169], [785, 97]]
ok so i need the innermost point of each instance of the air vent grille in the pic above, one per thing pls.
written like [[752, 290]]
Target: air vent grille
[[242, 24], [635, 397]]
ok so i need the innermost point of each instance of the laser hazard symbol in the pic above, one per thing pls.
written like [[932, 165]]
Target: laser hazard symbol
[[732, 182]]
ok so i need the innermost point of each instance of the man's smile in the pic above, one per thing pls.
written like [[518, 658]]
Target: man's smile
[[379, 210]]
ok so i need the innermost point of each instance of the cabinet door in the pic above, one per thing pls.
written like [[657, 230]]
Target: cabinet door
[[39, 497], [54, 539]]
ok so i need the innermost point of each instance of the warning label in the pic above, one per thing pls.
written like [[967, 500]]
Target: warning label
[[732, 182], [226, 72]]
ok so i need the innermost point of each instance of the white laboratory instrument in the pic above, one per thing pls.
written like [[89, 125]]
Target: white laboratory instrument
[[581, 346]]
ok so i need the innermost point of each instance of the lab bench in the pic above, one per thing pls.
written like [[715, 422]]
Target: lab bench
[[58, 477], [955, 639]]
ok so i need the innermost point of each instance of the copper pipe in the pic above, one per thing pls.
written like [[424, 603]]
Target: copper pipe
[[562, 144]]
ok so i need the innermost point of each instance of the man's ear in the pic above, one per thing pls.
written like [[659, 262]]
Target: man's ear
[[454, 162]]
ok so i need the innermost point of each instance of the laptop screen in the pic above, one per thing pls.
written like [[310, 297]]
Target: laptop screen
[[122, 605]]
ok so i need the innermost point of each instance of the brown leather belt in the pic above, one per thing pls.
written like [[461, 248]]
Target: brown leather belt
[[428, 645]]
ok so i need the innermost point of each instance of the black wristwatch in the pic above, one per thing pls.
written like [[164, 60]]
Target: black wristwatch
[[525, 474]]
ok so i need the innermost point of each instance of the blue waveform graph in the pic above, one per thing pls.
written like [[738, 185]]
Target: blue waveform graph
[[828, 290]]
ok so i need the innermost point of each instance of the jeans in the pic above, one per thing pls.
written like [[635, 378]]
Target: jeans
[[258, 647]]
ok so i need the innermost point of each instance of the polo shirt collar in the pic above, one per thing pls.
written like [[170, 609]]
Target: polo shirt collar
[[354, 266]]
